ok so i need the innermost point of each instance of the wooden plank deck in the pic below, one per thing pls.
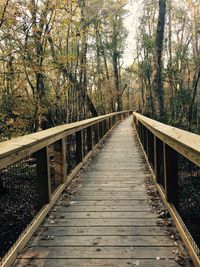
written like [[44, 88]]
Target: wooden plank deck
[[108, 222]]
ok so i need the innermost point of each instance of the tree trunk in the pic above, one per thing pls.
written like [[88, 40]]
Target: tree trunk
[[194, 94], [72, 79], [157, 73]]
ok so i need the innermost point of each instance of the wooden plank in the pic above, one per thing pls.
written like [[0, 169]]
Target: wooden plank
[[109, 179], [101, 222], [134, 202], [129, 252], [43, 176], [100, 230], [113, 226], [60, 161], [115, 241], [186, 143], [114, 197], [20, 147], [108, 193], [171, 174], [104, 214], [111, 187], [96, 208], [89, 138], [79, 146], [96, 262]]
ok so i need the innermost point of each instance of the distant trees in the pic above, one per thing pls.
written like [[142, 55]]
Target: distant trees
[[60, 61], [172, 68]]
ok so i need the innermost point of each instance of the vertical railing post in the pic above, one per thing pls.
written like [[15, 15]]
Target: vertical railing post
[[155, 158], [147, 142], [160, 162], [60, 161], [142, 135], [113, 120], [170, 173], [43, 176], [150, 150], [106, 126], [100, 129], [89, 138], [110, 122], [96, 132], [79, 146]]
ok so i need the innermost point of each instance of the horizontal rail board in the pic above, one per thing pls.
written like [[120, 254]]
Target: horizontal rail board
[[186, 143], [20, 147], [173, 156], [40, 164]]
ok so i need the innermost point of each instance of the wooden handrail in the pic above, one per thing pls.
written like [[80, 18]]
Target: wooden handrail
[[185, 143], [87, 134], [21, 147], [163, 147]]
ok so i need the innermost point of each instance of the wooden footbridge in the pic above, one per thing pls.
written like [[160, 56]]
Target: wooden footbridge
[[101, 214]]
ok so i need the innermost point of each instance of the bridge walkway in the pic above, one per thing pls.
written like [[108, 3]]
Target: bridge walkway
[[107, 221]]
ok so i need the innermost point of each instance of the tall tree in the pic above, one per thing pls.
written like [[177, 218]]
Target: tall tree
[[158, 63]]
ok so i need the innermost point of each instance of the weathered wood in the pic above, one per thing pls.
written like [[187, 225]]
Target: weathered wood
[[128, 252], [160, 163], [96, 133], [60, 161], [103, 231], [173, 141], [79, 146], [75, 208], [112, 190], [132, 203], [108, 221], [117, 241], [97, 262], [102, 222], [43, 175], [89, 138], [100, 215], [18, 148], [186, 143], [171, 174]]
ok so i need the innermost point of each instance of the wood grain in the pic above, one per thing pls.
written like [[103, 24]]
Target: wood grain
[[108, 221]]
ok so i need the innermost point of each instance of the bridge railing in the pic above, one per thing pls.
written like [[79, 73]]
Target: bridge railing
[[35, 169], [174, 159]]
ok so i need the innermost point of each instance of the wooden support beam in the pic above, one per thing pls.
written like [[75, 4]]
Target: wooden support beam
[[101, 129], [110, 122], [60, 161], [79, 146], [170, 174], [43, 176], [89, 138], [96, 133], [155, 159], [160, 162], [150, 148]]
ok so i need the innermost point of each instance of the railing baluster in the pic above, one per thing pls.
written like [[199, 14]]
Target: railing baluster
[[155, 158], [110, 122], [60, 161], [89, 138], [96, 133], [170, 174], [160, 162], [79, 146], [43, 175]]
